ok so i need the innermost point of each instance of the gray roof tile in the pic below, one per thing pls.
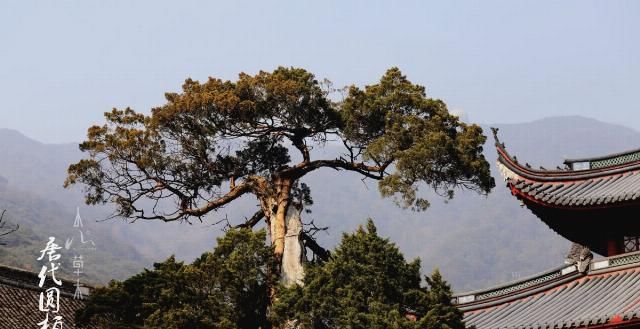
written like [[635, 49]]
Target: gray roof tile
[[586, 300], [590, 192], [615, 179], [19, 295]]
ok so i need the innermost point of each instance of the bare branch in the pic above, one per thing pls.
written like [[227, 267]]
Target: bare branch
[[251, 222], [2, 227], [312, 244], [376, 172], [233, 194]]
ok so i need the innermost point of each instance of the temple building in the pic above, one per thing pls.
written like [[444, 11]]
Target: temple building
[[593, 203]]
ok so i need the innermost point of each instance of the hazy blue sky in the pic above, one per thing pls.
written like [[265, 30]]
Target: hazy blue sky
[[63, 63]]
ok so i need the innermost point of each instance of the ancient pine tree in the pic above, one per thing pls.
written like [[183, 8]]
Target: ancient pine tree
[[218, 140]]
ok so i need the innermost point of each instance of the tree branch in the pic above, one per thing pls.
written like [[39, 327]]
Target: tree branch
[[3, 223], [233, 194], [251, 222], [302, 147], [311, 243], [374, 172]]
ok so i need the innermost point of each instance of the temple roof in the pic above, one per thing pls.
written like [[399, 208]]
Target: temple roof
[[606, 294], [594, 202], [588, 193], [19, 294], [583, 183]]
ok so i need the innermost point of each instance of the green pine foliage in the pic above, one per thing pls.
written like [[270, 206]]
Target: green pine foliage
[[261, 134], [368, 284], [439, 313], [226, 288]]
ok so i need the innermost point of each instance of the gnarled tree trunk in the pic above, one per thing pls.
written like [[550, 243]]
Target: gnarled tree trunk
[[292, 271], [285, 228]]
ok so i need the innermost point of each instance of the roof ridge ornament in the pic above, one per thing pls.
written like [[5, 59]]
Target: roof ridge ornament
[[495, 130], [580, 256]]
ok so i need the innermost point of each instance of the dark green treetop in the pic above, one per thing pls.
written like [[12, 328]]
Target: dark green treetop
[[226, 288], [367, 283]]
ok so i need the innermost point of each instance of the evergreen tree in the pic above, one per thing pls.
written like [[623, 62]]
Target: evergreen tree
[[219, 140], [225, 289], [439, 313], [367, 283]]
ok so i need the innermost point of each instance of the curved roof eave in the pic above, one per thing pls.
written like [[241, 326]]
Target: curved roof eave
[[525, 172]]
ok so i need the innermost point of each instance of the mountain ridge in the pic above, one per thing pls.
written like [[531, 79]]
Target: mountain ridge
[[475, 240]]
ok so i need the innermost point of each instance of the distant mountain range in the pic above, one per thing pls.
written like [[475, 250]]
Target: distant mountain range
[[476, 241]]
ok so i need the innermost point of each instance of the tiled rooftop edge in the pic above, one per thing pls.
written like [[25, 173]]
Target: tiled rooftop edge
[[513, 286], [620, 155], [597, 266], [26, 279], [576, 168]]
